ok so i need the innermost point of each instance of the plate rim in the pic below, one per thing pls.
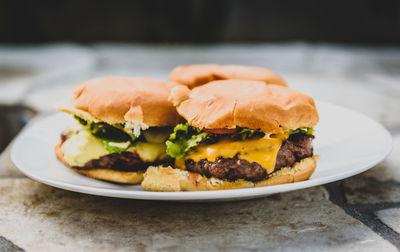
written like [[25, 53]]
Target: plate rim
[[218, 195]]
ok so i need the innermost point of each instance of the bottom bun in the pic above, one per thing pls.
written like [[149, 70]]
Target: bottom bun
[[168, 179], [104, 174]]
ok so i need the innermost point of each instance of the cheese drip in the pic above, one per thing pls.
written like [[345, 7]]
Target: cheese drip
[[262, 151]]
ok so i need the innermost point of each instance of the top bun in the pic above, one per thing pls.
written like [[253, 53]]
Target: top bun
[[197, 75], [120, 100], [251, 104]]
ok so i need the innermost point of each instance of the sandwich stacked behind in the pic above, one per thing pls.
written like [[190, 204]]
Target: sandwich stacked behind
[[197, 75]]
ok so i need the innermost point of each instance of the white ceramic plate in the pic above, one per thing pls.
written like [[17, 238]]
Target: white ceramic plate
[[347, 141]]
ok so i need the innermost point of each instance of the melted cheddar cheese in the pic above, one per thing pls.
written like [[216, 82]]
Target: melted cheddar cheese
[[263, 151], [81, 146]]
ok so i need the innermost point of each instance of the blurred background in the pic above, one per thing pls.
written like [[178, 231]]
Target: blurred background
[[200, 21], [346, 52]]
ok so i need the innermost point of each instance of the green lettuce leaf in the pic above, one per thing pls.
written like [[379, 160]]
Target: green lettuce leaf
[[304, 130], [107, 134], [112, 149], [105, 131], [245, 133], [81, 120], [184, 138]]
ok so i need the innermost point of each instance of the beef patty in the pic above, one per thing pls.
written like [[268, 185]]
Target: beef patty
[[295, 148], [125, 161]]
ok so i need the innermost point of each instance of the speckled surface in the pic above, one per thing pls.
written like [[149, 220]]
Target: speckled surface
[[68, 220], [390, 217], [357, 214]]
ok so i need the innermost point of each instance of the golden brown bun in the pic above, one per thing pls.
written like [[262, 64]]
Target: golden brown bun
[[167, 179], [104, 174], [119, 100], [251, 104], [197, 75]]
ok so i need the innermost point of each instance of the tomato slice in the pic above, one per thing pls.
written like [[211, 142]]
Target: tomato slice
[[221, 131]]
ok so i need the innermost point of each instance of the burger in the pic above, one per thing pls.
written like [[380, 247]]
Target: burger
[[197, 75], [121, 128], [238, 134]]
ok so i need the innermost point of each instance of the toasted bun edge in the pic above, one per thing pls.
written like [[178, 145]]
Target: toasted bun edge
[[168, 179], [103, 174]]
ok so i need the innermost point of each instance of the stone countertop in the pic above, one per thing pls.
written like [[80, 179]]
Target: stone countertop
[[358, 213]]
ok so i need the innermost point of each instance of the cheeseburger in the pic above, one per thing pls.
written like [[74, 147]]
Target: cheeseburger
[[121, 128], [197, 75], [238, 134]]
